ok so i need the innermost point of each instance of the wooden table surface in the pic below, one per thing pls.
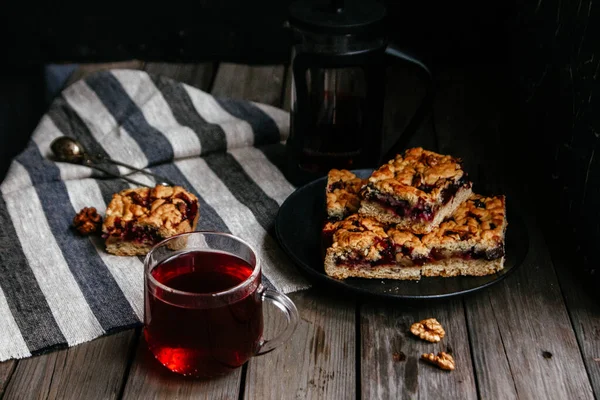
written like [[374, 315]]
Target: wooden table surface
[[534, 335]]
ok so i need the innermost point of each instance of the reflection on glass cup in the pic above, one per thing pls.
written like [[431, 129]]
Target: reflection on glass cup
[[203, 304]]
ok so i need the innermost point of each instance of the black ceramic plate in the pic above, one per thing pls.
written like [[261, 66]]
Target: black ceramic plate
[[298, 228]]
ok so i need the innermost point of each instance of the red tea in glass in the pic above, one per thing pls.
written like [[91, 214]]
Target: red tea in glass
[[219, 338], [203, 304]]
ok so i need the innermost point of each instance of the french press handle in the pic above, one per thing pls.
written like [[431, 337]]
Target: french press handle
[[424, 108]]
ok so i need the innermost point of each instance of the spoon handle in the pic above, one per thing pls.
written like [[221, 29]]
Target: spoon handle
[[131, 167], [107, 172]]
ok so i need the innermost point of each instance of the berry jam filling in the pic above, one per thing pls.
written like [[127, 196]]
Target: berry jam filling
[[141, 235], [191, 208], [420, 211], [489, 255], [355, 259], [336, 185], [133, 233], [140, 200], [388, 256], [448, 193], [402, 208]]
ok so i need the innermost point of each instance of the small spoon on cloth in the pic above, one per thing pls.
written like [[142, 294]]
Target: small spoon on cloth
[[70, 150]]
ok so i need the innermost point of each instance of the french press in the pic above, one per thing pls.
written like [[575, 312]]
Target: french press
[[339, 57]]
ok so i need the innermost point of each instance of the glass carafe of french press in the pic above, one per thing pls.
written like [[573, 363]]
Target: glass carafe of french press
[[338, 67]]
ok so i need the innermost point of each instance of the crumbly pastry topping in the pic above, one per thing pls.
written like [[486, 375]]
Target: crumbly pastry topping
[[359, 235], [475, 230], [442, 360], [478, 222], [162, 210], [87, 221], [428, 329], [417, 174], [342, 192]]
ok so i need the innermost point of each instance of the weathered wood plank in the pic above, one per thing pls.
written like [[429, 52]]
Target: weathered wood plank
[[198, 75], [318, 362], [391, 367], [93, 370], [6, 370], [529, 314], [583, 309], [148, 379], [522, 340], [263, 84], [488, 349], [87, 69]]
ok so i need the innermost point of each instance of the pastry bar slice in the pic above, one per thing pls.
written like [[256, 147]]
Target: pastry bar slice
[[470, 242], [342, 193], [416, 190], [363, 248], [137, 219]]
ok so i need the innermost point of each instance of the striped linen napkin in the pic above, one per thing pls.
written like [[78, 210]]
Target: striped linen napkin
[[58, 289]]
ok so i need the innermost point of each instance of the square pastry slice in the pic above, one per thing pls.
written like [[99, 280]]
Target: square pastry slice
[[362, 248], [137, 219], [470, 242], [341, 193], [416, 190]]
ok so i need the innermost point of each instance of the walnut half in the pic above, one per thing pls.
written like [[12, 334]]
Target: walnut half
[[87, 221], [429, 329], [443, 360]]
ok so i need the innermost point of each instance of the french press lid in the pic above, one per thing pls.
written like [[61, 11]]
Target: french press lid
[[337, 17]]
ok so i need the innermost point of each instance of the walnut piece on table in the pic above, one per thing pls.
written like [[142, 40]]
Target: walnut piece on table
[[87, 221], [428, 329], [442, 360]]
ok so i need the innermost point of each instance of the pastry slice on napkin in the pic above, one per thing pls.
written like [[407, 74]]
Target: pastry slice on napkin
[[137, 219]]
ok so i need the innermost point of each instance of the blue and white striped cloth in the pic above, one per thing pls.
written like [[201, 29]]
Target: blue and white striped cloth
[[58, 289]]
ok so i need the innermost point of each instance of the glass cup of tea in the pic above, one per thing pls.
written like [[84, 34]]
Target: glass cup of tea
[[203, 304]]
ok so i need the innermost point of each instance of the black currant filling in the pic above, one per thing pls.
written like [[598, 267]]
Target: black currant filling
[[336, 185], [388, 256], [488, 254], [191, 208], [132, 233], [419, 211], [401, 208]]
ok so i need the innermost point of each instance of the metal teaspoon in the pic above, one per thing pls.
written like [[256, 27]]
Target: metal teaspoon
[[70, 150]]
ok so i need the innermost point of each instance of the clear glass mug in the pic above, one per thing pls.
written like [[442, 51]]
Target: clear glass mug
[[203, 304]]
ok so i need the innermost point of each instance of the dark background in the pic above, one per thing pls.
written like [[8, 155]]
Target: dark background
[[543, 51]]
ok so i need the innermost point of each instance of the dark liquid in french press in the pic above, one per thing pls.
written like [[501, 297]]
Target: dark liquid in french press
[[337, 96]]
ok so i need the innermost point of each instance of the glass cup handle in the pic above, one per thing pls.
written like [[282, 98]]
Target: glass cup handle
[[291, 314]]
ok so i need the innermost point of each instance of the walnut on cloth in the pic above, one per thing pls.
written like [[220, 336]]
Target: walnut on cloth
[[87, 221], [443, 360], [428, 329]]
